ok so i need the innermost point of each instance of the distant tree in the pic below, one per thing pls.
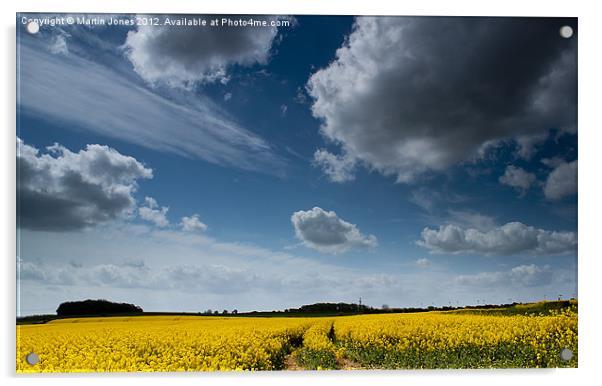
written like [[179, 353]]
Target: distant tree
[[208, 311], [235, 311], [96, 307], [385, 306], [216, 312], [225, 312]]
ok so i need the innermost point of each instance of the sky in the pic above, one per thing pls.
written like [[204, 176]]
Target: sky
[[406, 161]]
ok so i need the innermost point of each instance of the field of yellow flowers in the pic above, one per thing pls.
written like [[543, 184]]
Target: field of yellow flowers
[[386, 341]]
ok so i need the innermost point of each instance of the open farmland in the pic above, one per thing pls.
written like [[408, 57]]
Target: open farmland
[[460, 339]]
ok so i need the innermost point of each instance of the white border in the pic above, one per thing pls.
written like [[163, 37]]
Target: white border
[[590, 61]]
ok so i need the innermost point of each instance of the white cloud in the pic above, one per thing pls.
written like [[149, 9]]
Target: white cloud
[[562, 181], [509, 239], [337, 168], [152, 213], [62, 190], [324, 231], [406, 96], [193, 223], [227, 96], [78, 93], [423, 262], [184, 56], [59, 45], [518, 178], [471, 219], [151, 267], [522, 275]]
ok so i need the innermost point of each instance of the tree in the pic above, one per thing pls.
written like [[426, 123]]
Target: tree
[[96, 307]]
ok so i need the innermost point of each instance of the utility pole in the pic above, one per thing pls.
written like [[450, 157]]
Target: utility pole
[[359, 306]]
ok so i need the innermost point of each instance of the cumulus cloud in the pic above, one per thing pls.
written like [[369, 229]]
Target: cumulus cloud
[[423, 262], [562, 181], [193, 223], [62, 190], [152, 213], [324, 231], [186, 55], [509, 239], [409, 95], [517, 178], [522, 275], [337, 168]]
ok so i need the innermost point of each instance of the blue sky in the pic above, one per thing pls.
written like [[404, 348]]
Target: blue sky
[[409, 161]]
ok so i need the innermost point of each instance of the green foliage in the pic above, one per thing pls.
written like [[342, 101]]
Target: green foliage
[[539, 308], [316, 360], [468, 356]]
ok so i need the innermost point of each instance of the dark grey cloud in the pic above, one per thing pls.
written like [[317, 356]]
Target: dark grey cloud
[[185, 55], [324, 231], [408, 95], [509, 239], [61, 190]]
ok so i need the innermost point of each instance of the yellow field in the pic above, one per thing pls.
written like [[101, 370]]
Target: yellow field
[[191, 343]]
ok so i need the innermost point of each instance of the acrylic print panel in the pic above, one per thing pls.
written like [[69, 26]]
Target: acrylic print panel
[[227, 192]]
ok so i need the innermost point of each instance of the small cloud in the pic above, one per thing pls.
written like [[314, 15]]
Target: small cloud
[[152, 213], [518, 178], [59, 45], [423, 262], [553, 162], [227, 96], [283, 110], [324, 231], [192, 224], [301, 97], [562, 181], [337, 168]]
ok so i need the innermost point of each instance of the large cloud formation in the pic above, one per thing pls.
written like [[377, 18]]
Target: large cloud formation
[[185, 55], [408, 95], [324, 231], [61, 190], [509, 239]]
